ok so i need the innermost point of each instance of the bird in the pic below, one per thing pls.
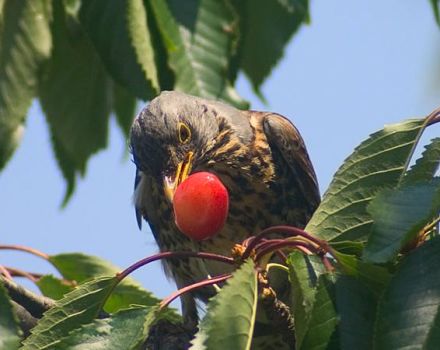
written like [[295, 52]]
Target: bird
[[260, 157]]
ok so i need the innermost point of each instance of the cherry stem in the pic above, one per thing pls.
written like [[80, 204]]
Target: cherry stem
[[179, 254], [210, 281], [34, 277], [5, 272], [279, 244], [433, 117], [25, 249], [292, 231]]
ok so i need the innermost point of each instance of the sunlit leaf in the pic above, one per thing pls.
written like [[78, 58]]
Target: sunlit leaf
[[198, 40], [25, 44], [127, 329], [377, 163], [230, 318], [53, 287], [77, 308]]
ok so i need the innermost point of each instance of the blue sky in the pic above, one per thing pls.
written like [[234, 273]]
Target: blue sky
[[357, 66]]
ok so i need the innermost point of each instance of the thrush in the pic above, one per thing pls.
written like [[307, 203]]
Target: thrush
[[259, 156]]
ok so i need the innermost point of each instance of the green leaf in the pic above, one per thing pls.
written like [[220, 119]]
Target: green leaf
[[124, 105], [25, 44], [426, 166], [77, 308], [267, 27], [323, 317], [303, 281], [80, 267], [75, 94], [376, 163], [356, 306], [230, 317], [111, 27], [127, 329], [10, 333], [435, 8], [348, 247], [408, 314], [372, 276], [399, 215], [199, 40], [53, 287], [141, 41]]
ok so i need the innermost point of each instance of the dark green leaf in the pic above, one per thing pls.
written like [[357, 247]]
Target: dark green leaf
[[435, 8], [199, 42], [399, 215], [25, 44], [323, 317], [230, 318], [426, 166], [75, 94], [10, 333], [124, 105], [80, 267], [53, 287], [77, 308], [127, 329], [356, 306], [267, 28], [376, 163], [408, 314], [348, 247], [106, 24], [303, 281]]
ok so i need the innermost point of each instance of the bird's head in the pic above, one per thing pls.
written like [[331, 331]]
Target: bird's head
[[172, 135]]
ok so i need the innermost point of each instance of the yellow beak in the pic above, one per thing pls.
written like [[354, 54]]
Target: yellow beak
[[170, 183]]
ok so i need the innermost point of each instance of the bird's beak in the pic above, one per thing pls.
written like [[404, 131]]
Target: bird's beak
[[171, 182]]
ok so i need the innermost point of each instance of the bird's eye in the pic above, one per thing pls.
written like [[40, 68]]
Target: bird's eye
[[184, 133]]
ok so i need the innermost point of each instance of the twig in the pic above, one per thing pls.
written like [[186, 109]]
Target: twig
[[25, 249]]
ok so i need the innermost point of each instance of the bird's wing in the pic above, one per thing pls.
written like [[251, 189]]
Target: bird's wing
[[137, 208], [282, 135]]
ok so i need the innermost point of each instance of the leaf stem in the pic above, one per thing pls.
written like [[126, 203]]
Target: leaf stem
[[210, 281], [25, 249], [179, 254]]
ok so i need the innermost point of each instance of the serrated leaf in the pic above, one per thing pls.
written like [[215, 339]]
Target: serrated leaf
[[230, 317], [124, 106], [399, 215], [127, 329], [426, 166], [303, 281], [377, 163], [106, 24], [25, 44], [408, 314], [53, 287], [140, 39], [75, 94], [10, 333], [77, 308], [198, 38], [323, 317], [267, 27], [80, 267]]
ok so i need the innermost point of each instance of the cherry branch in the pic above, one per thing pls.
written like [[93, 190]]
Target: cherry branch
[[25, 249]]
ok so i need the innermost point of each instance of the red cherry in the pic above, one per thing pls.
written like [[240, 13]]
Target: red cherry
[[201, 205]]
